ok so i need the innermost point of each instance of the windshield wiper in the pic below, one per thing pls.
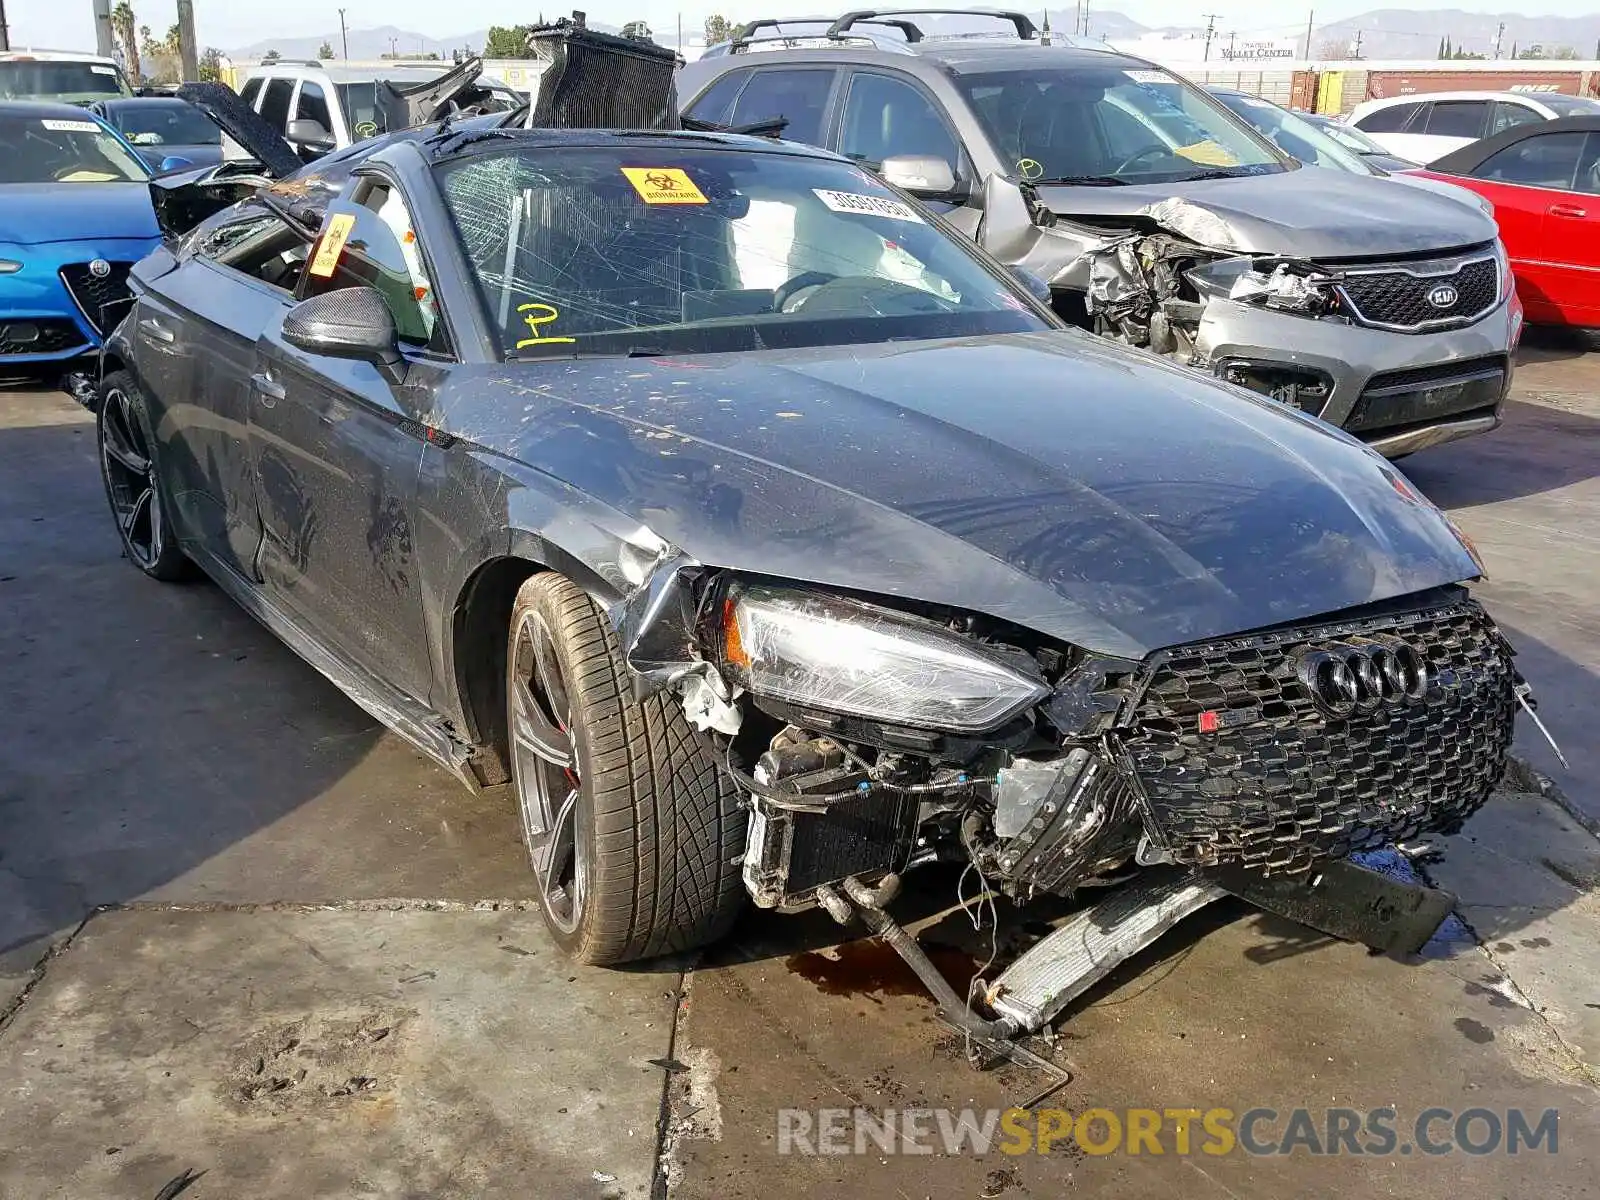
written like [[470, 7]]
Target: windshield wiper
[[1221, 173], [1085, 180], [641, 351]]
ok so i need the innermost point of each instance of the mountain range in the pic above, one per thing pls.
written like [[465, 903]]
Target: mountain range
[[1386, 33]]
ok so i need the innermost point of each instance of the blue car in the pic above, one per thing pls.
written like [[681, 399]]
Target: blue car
[[75, 215]]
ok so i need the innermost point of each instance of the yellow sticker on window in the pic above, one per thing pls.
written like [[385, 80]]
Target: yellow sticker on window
[[664, 185], [332, 245]]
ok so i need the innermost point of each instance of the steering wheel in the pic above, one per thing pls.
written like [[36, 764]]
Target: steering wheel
[[871, 295], [1149, 151], [789, 288]]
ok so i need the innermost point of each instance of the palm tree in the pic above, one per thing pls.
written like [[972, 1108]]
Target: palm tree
[[122, 24]]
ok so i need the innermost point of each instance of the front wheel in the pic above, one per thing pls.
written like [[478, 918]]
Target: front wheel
[[128, 468], [634, 838]]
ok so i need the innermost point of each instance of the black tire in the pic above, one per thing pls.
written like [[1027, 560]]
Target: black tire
[[128, 468], [656, 831]]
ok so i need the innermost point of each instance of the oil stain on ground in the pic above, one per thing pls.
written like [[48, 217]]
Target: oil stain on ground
[[872, 969]]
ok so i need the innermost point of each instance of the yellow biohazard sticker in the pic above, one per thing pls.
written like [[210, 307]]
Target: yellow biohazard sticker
[[664, 185], [332, 245]]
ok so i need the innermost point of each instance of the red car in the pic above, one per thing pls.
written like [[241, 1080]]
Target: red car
[[1543, 179]]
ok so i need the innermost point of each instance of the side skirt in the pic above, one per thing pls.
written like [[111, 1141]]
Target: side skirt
[[416, 724]]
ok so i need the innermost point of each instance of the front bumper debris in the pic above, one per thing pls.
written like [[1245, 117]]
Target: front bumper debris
[[1398, 392]]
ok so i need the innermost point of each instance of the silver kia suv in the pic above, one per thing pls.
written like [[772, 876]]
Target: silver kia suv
[[1153, 214]]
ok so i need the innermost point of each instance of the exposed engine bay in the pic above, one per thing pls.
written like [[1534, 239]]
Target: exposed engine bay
[[1180, 277], [870, 738]]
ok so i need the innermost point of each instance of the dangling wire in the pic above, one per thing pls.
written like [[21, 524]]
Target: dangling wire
[[976, 917]]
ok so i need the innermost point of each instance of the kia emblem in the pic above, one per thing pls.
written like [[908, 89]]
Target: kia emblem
[[99, 268], [1443, 296]]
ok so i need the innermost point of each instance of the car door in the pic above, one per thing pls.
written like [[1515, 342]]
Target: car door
[[311, 104], [276, 97], [194, 341], [1572, 236], [886, 114], [1447, 125], [1543, 222], [801, 96], [336, 451], [1389, 126]]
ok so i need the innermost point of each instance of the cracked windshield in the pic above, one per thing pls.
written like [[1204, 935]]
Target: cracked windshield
[[1108, 126], [586, 251]]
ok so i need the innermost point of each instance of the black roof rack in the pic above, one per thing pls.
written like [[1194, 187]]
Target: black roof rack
[[748, 32], [1026, 29]]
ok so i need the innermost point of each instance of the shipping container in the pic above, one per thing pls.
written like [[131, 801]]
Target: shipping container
[[1381, 85]]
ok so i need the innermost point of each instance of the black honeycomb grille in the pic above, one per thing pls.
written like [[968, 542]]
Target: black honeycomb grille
[[102, 298], [1400, 299], [1279, 786], [46, 336]]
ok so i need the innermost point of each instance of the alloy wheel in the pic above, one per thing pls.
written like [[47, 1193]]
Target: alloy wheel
[[131, 479], [547, 778]]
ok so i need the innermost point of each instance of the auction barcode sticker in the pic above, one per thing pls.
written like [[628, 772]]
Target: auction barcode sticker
[[872, 206], [70, 126]]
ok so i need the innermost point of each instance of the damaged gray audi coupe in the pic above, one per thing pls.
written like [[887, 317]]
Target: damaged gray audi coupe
[[1157, 217], [766, 541]]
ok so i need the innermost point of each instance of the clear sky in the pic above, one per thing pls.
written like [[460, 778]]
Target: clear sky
[[69, 24]]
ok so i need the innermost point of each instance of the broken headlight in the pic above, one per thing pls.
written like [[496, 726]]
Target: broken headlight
[[844, 656], [1281, 288]]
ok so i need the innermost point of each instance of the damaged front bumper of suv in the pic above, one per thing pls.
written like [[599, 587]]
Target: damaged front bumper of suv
[[870, 739], [1402, 345]]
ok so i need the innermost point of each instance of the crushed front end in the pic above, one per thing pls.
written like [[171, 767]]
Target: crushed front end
[[1404, 350], [871, 739], [1274, 751]]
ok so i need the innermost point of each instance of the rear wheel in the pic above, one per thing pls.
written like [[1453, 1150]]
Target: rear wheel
[[128, 467], [634, 838]]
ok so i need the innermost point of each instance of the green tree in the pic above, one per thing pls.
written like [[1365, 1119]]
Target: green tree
[[325, 51], [508, 42], [718, 29], [211, 65], [271, 56], [1443, 43], [122, 26]]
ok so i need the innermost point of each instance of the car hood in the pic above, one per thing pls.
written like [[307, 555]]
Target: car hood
[[32, 213], [1087, 492], [1308, 213]]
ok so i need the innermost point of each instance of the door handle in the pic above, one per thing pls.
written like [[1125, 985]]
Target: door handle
[[270, 389], [1567, 210], [156, 331]]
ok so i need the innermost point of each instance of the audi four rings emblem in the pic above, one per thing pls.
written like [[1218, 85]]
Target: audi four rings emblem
[[1443, 296], [1345, 678]]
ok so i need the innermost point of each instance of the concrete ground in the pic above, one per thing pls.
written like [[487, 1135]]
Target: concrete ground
[[251, 941]]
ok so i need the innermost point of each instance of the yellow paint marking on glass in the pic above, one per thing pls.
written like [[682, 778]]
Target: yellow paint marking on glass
[[664, 185], [1030, 169], [332, 245], [1208, 154], [536, 316]]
